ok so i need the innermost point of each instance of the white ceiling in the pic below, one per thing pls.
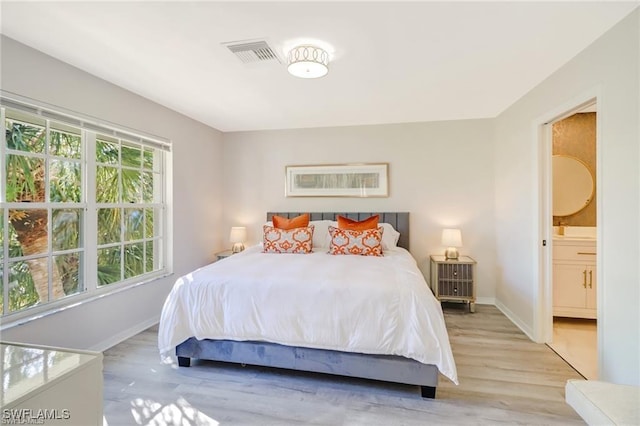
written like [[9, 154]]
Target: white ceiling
[[392, 62]]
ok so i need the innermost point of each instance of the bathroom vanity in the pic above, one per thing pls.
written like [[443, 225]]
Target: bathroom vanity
[[574, 276]]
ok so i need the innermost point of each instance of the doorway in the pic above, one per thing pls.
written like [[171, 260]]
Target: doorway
[[569, 267]]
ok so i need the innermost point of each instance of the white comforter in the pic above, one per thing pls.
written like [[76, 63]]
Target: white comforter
[[372, 305]]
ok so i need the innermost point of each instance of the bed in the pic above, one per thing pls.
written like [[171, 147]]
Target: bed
[[222, 312]]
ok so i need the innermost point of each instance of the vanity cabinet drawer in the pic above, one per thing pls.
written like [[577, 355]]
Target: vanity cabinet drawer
[[581, 253]]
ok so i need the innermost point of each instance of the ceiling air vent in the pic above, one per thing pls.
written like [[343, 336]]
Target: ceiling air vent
[[252, 51]]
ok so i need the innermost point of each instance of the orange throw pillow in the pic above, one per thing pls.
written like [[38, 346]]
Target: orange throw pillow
[[295, 222], [353, 225]]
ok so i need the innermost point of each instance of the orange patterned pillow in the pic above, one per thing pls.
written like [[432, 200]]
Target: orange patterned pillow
[[369, 223], [295, 222], [297, 240], [367, 242]]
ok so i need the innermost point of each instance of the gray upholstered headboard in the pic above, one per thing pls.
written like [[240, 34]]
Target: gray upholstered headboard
[[399, 220]]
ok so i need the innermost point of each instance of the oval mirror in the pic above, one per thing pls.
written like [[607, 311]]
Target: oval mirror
[[572, 185]]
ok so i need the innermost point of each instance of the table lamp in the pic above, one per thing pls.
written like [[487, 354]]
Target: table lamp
[[238, 236], [451, 238]]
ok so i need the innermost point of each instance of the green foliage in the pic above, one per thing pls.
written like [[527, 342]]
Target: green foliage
[[23, 171], [119, 178], [22, 292], [64, 182], [25, 137], [65, 144], [133, 260], [107, 152], [109, 265]]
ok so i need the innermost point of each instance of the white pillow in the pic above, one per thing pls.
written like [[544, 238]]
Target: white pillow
[[321, 237], [390, 236]]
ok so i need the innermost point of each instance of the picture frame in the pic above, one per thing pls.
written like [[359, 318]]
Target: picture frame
[[337, 180]]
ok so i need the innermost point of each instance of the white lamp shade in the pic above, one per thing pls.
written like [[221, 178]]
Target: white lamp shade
[[451, 238], [238, 234]]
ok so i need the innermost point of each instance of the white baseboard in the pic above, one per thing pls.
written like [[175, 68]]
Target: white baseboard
[[125, 334], [485, 300], [515, 319]]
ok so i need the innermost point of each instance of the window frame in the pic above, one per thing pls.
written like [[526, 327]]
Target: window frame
[[90, 129]]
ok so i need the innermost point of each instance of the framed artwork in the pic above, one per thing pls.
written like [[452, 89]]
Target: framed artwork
[[337, 180]]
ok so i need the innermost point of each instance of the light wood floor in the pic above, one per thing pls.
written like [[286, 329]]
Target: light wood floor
[[576, 340], [504, 379]]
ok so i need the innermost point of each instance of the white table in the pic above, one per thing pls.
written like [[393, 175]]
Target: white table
[[57, 386]]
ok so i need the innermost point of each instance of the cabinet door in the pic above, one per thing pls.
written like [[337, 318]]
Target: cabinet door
[[569, 285], [592, 291]]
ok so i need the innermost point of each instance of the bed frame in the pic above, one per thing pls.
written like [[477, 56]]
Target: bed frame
[[388, 368]]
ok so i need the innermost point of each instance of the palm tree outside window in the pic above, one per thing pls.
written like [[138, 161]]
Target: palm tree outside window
[[80, 210]]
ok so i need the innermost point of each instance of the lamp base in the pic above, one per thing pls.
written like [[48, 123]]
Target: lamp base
[[451, 253], [237, 248]]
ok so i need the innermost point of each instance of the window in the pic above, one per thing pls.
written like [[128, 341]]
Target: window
[[129, 214], [82, 208]]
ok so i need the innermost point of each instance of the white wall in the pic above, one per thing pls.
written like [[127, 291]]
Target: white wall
[[611, 66], [440, 172], [197, 196]]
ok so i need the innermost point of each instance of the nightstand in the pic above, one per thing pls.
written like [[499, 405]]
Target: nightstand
[[224, 254], [454, 279]]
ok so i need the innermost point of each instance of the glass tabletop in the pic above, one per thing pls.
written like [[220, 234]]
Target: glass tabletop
[[27, 368]]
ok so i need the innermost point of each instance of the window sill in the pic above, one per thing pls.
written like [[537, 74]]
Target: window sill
[[47, 310]]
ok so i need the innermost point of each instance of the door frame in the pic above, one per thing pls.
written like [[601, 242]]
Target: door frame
[[543, 294]]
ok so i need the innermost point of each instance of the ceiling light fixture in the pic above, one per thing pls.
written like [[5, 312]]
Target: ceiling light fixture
[[308, 62]]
